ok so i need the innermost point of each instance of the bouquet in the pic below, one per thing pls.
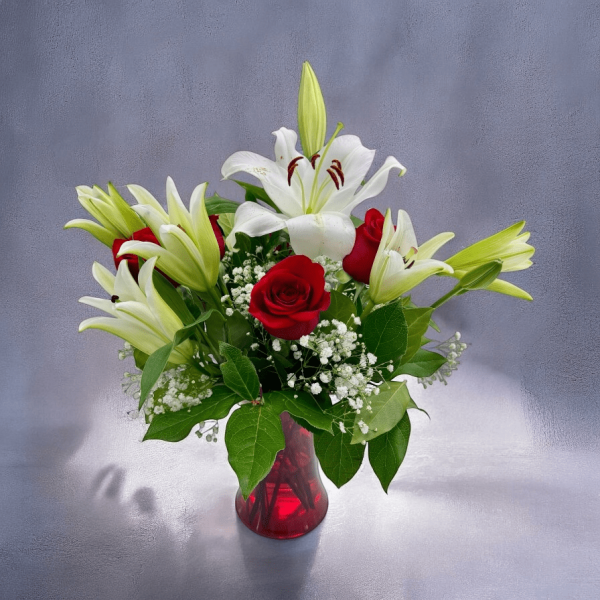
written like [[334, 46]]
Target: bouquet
[[285, 308]]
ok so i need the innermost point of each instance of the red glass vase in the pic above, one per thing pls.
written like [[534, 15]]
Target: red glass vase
[[291, 500]]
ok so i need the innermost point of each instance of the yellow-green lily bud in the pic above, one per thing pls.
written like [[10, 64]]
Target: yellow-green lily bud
[[481, 277], [312, 118]]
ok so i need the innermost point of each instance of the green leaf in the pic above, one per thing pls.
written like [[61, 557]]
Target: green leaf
[[171, 296], [388, 407], [175, 426], [340, 308], [417, 320], [339, 458], [387, 451], [413, 404], [157, 361], [356, 221], [140, 358], [215, 327], [423, 364], [253, 437], [304, 407], [253, 192], [385, 332], [215, 205], [238, 328], [238, 372]]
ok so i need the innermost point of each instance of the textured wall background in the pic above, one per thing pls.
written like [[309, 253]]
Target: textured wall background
[[493, 107]]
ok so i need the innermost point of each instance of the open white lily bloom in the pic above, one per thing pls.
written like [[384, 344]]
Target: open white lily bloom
[[315, 195], [138, 314], [400, 264], [189, 251], [508, 245], [115, 217]]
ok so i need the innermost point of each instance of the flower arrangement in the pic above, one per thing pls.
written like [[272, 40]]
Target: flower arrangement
[[284, 303]]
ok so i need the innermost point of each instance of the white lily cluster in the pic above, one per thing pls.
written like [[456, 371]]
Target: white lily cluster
[[315, 195], [138, 313]]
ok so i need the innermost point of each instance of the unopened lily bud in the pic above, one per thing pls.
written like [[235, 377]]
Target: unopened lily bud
[[481, 277], [312, 118]]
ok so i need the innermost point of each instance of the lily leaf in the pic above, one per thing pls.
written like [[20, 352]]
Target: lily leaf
[[388, 407], [176, 426], [387, 451], [418, 320], [253, 193], [304, 407], [215, 205], [385, 332], [423, 364], [238, 372], [340, 308], [339, 458], [253, 437]]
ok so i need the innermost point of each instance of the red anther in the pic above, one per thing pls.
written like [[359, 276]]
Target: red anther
[[313, 159], [410, 264], [114, 299], [338, 170], [337, 163], [334, 178], [292, 166]]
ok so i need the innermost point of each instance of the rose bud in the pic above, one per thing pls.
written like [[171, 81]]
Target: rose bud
[[289, 298], [142, 235], [218, 233], [368, 235]]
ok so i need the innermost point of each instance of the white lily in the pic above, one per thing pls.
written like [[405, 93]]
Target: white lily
[[315, 195], [189, 251], [400, 264], [116, 218], [138, 314], [508, 245]]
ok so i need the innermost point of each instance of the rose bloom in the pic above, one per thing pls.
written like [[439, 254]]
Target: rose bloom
[[289, 298], [359, 262]]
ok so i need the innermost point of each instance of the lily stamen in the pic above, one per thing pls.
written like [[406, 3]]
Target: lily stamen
[[292, 167], [114, 299], [337, 167], [313, 160], [334, 178]]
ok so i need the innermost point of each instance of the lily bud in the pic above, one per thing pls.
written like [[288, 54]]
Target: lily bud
[[481, 277], [312, 118]]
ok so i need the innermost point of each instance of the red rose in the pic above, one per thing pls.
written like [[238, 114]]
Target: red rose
[[218, 233], [142, 235], [289, 298], [359, 262]]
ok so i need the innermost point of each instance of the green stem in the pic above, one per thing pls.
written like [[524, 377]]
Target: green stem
[[453, 292], [368, 307]]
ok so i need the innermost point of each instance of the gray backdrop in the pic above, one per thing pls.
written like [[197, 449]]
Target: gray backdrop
[[494, 109]]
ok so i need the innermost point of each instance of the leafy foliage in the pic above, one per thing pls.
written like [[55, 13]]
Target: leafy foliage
[[304, 407], [253, 437], [339, 458], [387, 451], [239, 374], [175, 426], [385, 332]]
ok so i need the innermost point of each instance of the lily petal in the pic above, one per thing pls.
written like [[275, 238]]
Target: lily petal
[[254, 220], [329, 234], [98, 231], [285, 146], [145, 198], [430, 247], [376, 184], [153, 218], [273, 177], [104, 277]]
